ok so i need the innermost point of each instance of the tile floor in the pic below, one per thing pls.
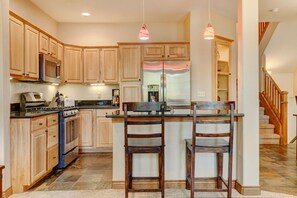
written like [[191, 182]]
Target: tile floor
[[278, 172]]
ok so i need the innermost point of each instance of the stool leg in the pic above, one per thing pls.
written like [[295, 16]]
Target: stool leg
[[192, 173], [219, 169], [229, 194], [161, 172], [126, 174], [188, 167], [130, 161]]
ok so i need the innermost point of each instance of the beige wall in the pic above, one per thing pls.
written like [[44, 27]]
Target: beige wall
[[110, 34], [28, 11], [4, 93]]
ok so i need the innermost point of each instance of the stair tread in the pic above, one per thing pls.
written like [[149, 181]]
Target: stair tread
[[264, 117], [269, 136], [266, 126], [261, 108]]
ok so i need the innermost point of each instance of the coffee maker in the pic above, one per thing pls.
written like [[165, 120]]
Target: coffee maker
[[115, 97]]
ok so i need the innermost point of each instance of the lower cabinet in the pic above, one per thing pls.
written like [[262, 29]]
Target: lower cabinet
[[34, 150], [95, 130]]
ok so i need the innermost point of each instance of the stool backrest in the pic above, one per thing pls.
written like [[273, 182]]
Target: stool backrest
[[138, 119], [220, 119]]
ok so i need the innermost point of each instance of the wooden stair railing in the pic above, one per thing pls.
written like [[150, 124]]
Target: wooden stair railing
[[262, 28], [275, 103]]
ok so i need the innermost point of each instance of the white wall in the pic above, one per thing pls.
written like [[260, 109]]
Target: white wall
[[16, 88], [201, 53], [4, 93], [93, 34], [31, 13], [87, 92]]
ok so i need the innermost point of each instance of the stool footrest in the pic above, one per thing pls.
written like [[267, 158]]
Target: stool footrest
[[145, 178], [210, 190], [145, 190]]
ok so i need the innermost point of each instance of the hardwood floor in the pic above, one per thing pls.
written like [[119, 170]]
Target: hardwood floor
[[278, 172]]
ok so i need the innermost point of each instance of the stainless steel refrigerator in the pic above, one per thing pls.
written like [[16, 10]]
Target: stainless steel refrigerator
[[167, 81]]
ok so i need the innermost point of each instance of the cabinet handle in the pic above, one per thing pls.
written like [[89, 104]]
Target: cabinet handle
[[65, 81], [54, 120], [54, 157], [27, 74], [139, 79], [54, 136], [40, 124], [46, 130]]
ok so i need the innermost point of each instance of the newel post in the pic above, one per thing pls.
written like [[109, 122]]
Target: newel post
[[284, 117]]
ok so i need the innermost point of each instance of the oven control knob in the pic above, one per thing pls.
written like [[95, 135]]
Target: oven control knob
[[65, 113]]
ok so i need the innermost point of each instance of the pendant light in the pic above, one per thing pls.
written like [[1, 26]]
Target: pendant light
[[143, 33], [209, 33]]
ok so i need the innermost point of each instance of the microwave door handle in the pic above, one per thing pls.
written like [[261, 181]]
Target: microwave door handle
[[58, 71]]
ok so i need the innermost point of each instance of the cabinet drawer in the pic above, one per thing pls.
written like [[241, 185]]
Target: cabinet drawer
[[52, 119], [52, 136], [52, 157], [38, 123], [103, 112]]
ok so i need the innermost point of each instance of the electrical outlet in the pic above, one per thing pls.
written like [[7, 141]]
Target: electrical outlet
[[201, 94]]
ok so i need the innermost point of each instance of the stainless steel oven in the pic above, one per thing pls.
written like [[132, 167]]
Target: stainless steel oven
[[71, 133]]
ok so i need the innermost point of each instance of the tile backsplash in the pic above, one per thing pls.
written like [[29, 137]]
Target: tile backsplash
[[75, 91]]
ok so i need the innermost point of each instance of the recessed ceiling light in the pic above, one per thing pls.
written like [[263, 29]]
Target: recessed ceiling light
[[85, 14], [274, 10]]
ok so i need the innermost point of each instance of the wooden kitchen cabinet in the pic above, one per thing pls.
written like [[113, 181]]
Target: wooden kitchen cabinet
[[53, 48], [43, 43], [104, 132], [109, 65], [222, 60], [86, 128], [38, 154], [73, 66], [92, 65], [31, 52], [169, 51], [130, 63], [130, 92], [60, 57], [34, 149], [16, 41]]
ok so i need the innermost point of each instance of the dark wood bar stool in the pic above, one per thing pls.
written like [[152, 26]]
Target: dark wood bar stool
[[211, 142], [143, 143]]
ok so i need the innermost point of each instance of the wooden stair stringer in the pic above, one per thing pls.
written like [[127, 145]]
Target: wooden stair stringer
[[272, 116], [267, 36]]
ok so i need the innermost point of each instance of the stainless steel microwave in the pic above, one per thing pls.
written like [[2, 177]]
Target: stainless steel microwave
[[49, 69]]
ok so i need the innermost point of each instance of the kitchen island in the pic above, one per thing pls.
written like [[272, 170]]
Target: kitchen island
[[178, 127]]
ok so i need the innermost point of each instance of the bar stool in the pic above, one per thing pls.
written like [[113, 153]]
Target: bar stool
[[211, 142], [140, 143]]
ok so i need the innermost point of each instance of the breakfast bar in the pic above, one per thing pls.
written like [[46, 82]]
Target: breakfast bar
[[178, 127]]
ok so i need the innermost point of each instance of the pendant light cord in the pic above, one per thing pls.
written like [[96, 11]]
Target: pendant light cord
[[209, 20], [142, 11]]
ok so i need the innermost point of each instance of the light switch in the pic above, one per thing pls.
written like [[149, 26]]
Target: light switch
[[201, 94]]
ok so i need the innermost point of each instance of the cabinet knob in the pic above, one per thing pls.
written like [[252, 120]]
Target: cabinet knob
[[46, 130], [23, 73], [27, 74], [139, 79], [40, 123], [65, 81], [54, 136], [54, 120]]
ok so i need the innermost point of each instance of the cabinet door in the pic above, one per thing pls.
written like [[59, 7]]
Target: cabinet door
[[177, 51], [130, 92], [109, 65], [31, 52], [86, 128], [16, 41], [153, 51], [52, 136], [130, 63], [91, 65], [43, 43], [61, 58], [38, 154], [53, 48], [73, 64], [52, 157], [104, 132]]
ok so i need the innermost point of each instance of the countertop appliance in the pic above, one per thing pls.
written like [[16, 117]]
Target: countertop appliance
[[68, 125], [49, 68], [167, 81]]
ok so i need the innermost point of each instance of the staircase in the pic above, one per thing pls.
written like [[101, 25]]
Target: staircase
[[267, 135]]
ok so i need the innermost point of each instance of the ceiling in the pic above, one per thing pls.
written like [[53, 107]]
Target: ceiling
[[125, 11]]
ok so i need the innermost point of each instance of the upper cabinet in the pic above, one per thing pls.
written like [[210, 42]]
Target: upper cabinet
[[92, 65], [130, 63], [109, 65], [23, 49], [222, 66], [48, 45], [16, 40], [73, 66], [172, 51]]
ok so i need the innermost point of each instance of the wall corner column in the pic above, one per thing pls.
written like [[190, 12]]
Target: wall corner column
[[248, 98]]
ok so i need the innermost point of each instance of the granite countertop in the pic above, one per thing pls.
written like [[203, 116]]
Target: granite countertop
[[30, 114], [95, 104], [174, 113], [98, 107]]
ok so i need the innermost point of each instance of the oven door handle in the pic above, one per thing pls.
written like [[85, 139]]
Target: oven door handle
[[72, 118]]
